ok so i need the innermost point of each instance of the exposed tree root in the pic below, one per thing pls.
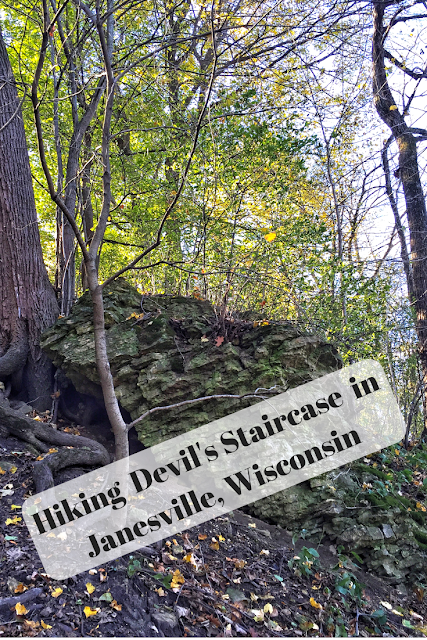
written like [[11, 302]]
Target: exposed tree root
[[78, 451], [16, 355]]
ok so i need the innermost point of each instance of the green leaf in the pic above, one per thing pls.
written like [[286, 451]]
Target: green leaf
[[107, 597]]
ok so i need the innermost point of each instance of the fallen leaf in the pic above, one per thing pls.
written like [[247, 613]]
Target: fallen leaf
[[221, 538], [264, 552], [20, 588], [56, 592], [89, 612], [39, 458], [114, 605], [204, 339], [20, 609], [46, 626], [31, 624], [202, 536], [161, 592], [393, 107], [239, 564], [106, 597], [315, 604], [92, 572], [2, 472], [416, 615], [252, 525], [219, 340], [258, 615], [15, 506], [387, 605], [214, 545], [14, 520], [13, 469], [268, 608], [177, 579], [89, 587]]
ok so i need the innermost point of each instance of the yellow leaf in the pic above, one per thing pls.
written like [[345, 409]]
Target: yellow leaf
[[160, 592], [177, 579], [39, 458], [53, 451], [89, 612], [315, 604], [221, 538], [114, 605], [397, 452], [393, 107], [20, 609], [14, 520], [270, 236], [90, 588], [214, 545], [56, 592], [46, 626], [13, 469], [2, 472], [268, 608], [15, 506]]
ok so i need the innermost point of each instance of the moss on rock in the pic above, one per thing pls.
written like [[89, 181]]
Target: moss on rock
[[162, 350]]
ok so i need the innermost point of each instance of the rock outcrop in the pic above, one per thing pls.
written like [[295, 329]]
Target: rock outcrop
[[163, 350], [351, 508]]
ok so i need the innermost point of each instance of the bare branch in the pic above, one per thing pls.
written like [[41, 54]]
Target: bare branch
[[188, 402], [416, 75]]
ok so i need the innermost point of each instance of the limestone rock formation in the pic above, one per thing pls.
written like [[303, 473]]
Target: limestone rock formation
[[388, 533], [163, 350]]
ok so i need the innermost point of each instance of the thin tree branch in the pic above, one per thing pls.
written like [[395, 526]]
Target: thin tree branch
[[177, 195], [188, 402]]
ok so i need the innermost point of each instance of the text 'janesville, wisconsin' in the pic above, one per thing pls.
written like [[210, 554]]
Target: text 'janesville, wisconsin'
[[213, 469]]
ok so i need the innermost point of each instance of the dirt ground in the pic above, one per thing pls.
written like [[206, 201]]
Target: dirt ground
[[229, 577]]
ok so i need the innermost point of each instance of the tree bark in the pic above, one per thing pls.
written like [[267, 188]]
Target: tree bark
[[27, 299], [411, 182]]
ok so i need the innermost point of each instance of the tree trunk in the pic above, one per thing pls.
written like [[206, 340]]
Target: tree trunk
[[27, 299], [412, 187]]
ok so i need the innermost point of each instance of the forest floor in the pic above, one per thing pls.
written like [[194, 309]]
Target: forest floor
[[234, 576]]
